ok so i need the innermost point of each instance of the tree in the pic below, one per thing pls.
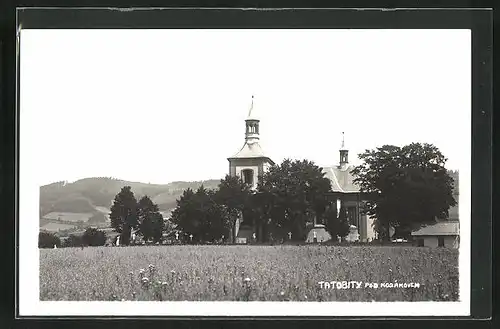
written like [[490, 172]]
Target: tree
[[234, 195], [216, 220], [94, 237], [184, 215], [150, 220], [48, 240], [342, 223], [198, 213], [292, 194], [73, 241], [158, 224], [168, 226], [407, 187], [336, 223], [123, 214]]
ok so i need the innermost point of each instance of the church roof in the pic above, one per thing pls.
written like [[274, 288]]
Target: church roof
[[250, 150], [341, 179], [441, 228]]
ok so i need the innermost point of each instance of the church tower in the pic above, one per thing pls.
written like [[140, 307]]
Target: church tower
[[344, 152], [250, 162]]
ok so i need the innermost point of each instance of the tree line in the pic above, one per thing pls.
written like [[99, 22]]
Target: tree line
[[91, 237], [287, 199], [401, 187]]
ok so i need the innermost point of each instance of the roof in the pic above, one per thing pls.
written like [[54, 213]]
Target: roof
[[250, 150], [245, 232], [441, 228], [341, 179]]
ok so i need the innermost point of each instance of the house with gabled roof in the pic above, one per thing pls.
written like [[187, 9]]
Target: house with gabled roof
[[440, 234]]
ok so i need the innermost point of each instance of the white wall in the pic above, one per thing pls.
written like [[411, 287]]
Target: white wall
[[430, 241], [450, 241], [370, 231]]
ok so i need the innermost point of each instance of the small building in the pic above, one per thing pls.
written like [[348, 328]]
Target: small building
[[347, 194], [441, 234]]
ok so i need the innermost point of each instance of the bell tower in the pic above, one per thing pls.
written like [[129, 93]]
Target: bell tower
[[250, 162], [252, 127]]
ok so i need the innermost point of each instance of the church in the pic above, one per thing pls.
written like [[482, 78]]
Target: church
[[251, 161]]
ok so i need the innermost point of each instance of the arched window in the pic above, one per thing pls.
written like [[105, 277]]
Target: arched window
[[247, 176]]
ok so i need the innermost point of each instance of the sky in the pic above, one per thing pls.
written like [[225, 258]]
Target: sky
[[157, 106]]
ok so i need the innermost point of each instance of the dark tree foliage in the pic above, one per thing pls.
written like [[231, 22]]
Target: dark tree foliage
[[292, 194], [336, 223], [184, 215], [407, 187], [124, 215], [150, 220], [94, 237], [158, 225], [234, 196], [199, 214], [342, 223], [168, 226], [48, 240], [73, 241]]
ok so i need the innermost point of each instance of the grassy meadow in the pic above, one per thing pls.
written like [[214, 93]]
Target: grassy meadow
[[240, 273]]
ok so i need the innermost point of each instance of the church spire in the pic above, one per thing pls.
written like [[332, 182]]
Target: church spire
[[251, 126], [250, 111], [344, 152]]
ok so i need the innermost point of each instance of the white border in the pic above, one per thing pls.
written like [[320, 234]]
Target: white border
[[28, 279]]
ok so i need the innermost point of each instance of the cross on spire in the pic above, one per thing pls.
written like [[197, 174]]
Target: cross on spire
[[251, 108]]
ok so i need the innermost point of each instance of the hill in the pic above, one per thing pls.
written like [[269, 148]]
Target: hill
[[87, 201]]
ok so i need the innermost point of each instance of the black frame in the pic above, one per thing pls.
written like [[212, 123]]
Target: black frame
[[479, 21]]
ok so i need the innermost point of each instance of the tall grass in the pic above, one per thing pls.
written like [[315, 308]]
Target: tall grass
[[234, 273]]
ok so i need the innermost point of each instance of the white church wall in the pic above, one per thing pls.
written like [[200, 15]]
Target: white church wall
[[370, 231], [265, 166]]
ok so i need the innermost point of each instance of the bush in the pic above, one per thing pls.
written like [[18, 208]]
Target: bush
[[73, 241], [48, 240], [94, 237]]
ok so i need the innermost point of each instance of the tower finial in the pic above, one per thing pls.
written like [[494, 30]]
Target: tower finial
[[250, 111], [251, 108], [343, 144]]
